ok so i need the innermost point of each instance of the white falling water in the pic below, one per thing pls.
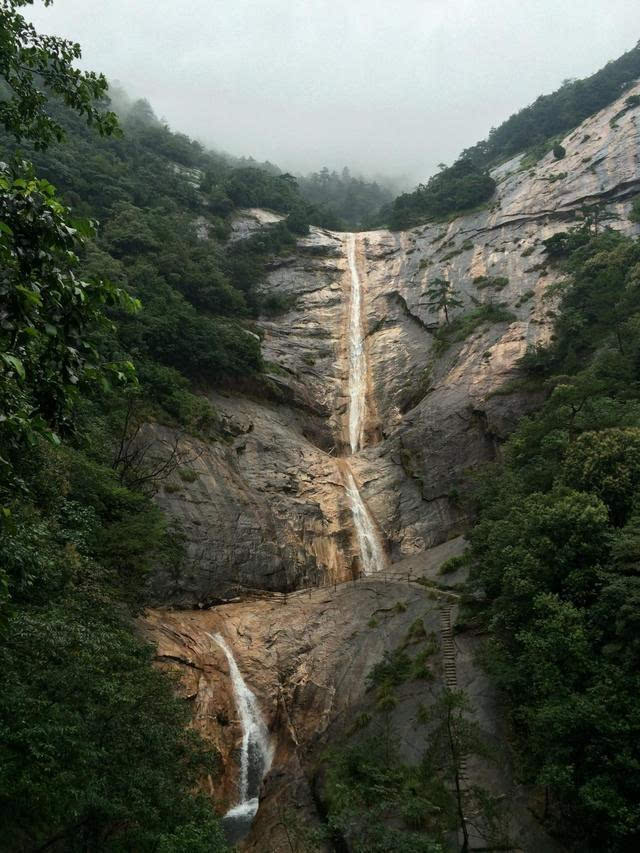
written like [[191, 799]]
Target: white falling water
[[372, 557], [256, 752], [357, 358]]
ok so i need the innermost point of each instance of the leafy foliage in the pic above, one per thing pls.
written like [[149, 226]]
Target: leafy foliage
[[364, 788], [78, 712], [29, 61], [51, 320]]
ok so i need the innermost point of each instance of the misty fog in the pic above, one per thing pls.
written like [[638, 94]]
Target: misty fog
[[387, 89]]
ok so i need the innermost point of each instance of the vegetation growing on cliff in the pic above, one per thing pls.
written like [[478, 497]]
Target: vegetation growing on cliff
[[453, 189], [376, 799], [555, 552]]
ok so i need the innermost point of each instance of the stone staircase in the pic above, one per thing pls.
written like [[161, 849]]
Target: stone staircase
[[449, 661], [448, 647]]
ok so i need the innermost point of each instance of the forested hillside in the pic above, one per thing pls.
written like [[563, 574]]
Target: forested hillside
[[534, 130], [105, 325], [356, 203], [122, 295], [555, 553]]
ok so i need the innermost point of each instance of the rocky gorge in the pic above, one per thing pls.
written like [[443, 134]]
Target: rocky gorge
[[278, 565]]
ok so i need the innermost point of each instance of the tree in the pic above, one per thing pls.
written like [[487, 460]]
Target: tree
[[80, 702], [50, 318], [442, 297], [95, 753], [29, 60], [556, 552]]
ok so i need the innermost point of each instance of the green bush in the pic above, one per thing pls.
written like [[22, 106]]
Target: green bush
[[465, 325]]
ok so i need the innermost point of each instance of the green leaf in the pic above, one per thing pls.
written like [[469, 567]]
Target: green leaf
[[14, 362]]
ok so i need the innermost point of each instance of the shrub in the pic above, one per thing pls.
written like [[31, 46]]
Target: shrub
[[465, 325]]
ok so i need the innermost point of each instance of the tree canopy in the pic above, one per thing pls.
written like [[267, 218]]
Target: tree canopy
[[30, 61]]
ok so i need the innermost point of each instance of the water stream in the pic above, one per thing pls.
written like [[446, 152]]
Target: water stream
[[372, 556], [357, 357], [256, 752]]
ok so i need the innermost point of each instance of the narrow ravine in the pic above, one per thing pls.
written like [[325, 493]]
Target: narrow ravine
[[370, 547], [256, 752]]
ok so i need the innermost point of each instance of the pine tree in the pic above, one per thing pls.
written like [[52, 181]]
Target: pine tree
[[442, 297]]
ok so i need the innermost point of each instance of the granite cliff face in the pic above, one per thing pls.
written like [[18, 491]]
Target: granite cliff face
[[268, 514], [268, 509]]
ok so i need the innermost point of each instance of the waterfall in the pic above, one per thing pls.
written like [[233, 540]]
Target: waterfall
[[372, 556], [256, 751], [357, 357]]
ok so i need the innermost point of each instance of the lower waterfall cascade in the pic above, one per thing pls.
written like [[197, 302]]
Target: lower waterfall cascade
[[256, 752]]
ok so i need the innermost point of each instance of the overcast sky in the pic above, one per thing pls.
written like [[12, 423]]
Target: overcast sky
[[389, 87]]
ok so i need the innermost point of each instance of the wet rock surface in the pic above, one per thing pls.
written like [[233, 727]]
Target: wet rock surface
[[268, 509], [306, 657]]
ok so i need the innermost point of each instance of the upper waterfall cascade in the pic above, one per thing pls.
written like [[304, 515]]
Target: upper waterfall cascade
[[357, 356], [372, 556]]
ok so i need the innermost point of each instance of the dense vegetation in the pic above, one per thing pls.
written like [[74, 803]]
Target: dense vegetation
[[455, 188], [82, 366], [535, 129], [556, 552]]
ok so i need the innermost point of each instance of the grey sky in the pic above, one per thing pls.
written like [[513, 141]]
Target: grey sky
[[384, 87]]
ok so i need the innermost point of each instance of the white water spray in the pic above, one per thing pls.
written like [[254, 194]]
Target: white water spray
[[357, 357], [372, 557], [256, 752]]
